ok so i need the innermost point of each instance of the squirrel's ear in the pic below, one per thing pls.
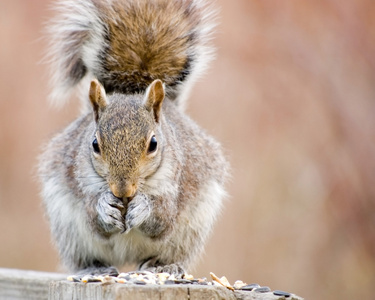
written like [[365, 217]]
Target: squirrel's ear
[[98, 98], [154, 98]]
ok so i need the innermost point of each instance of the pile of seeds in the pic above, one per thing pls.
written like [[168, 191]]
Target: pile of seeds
[[141, 278], [145, 277]]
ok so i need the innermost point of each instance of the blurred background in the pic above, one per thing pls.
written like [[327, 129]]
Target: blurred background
[[291, 96]]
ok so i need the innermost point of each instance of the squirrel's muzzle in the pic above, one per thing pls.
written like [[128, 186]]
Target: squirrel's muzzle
[[123, 190]]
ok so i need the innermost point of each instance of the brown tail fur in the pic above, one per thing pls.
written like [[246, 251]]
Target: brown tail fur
[[126, 44]]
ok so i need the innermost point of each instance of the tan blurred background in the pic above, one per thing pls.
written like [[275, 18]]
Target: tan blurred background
[[291, 97]]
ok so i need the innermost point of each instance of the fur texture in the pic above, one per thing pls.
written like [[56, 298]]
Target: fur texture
[[178, 198], [126, 44], [133, 180]]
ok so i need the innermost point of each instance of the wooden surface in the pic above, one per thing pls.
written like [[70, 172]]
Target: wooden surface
[[20, 284], [68, 290]]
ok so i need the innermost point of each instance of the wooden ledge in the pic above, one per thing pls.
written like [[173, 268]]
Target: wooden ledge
[[20, 284]]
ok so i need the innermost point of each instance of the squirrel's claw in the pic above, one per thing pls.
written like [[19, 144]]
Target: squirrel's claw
[[111, 213]]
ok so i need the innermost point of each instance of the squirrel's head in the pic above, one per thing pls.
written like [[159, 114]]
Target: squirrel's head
[[128, 142]]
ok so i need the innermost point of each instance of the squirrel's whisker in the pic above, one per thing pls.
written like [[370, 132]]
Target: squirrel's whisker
[[133, 159]]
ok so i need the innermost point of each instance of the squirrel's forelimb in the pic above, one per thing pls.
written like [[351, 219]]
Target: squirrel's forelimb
[[133, 180]]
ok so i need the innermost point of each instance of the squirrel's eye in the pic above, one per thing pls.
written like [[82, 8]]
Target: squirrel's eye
[[95, 146], [153, 145]]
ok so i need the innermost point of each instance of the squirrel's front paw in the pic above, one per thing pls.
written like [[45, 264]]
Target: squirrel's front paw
[[111, 211], [140, 215], [138, 212]]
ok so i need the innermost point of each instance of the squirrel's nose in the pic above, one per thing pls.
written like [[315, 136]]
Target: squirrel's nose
[[121, 190], [130, 190], [116, 190]]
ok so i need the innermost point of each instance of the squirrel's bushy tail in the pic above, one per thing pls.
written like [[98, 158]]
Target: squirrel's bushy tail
[[126, 44]]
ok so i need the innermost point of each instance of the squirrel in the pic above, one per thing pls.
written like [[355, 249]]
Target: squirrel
[[133, 180]]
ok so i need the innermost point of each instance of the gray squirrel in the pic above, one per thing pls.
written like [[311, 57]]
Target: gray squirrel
[[133, 180]]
